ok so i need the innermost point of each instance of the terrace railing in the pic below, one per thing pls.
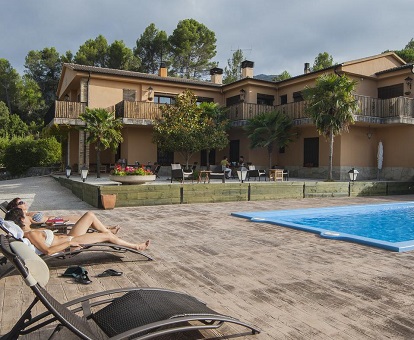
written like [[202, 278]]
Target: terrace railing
[[65, 109], [370, 108]]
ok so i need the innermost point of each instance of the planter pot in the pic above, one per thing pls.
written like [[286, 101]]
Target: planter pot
[[108, 201], [135, 179]]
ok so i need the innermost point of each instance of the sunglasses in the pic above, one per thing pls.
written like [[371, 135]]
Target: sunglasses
[[20, 203]]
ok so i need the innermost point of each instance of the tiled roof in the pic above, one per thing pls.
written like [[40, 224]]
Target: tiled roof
[[131, 74], [411, 65]]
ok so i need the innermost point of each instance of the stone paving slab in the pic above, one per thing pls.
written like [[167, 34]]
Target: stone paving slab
[[289, 283]]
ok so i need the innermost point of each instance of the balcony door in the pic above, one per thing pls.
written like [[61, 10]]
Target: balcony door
[[234, 150]]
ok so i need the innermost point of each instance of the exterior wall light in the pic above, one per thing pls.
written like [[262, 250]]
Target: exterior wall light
[[84, 172], [242, 95], [68, 170], [353, 173], [408, 81], [369, 133], [150, 92]]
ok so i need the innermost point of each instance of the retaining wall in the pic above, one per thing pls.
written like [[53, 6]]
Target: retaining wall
[[141, 195]]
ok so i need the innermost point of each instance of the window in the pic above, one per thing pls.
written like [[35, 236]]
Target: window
[[297, 97], [283, 99], [163, 99], [129, 95], [232, 100], [234, 150], [211, 159], [204, 100], [392, 91], [165, 157], [265, 99], [311, 152]]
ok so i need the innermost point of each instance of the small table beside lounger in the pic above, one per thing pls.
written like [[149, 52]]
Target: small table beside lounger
[[206, 175], [276, 175]]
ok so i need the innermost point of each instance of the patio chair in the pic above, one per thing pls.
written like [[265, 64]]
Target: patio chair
[[156, 171], [217, 172], [177, 172], [13, 230], [141, 313], [256, 173]]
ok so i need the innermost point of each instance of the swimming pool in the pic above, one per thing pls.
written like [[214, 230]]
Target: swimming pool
[[389, 226]]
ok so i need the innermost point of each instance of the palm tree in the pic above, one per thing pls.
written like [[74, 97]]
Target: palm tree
[[268, 129], [104, 130], [331, 106]]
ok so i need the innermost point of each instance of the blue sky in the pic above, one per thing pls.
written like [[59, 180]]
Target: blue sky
[[277, 35]]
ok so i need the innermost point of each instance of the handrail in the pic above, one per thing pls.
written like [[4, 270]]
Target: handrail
[[402, 107]]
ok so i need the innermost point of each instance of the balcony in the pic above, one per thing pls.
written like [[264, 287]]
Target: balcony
[[372, 110]]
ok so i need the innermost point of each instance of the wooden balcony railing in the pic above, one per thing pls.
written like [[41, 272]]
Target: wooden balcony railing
[[401, 107], [67, 109], [138, 110]]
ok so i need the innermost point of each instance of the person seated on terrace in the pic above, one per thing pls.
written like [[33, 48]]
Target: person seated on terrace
[[225, 164], [37, 217], [47, 242]]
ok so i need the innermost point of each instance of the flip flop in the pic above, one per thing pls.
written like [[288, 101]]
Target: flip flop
[[82, 278], [109, 272]]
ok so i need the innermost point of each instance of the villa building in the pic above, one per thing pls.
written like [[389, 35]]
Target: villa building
[[383, 92]]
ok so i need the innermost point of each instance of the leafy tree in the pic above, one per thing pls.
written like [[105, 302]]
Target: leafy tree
[[45, 67], [407, 53], [104, 130], [17, 127], [67, 57], [93, 52], [192, 47], [181, 126], [323, 60], [151, 48], [215, 127], [121, 57], [331, 106], [4, 119], [269, 129], [31, 103], [9, 79], [232, 71], [283, 76]]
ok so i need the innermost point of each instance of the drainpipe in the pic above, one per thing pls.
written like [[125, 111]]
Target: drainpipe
[[87, 105], [336, 68]]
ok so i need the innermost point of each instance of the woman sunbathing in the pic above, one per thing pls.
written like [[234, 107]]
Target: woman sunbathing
[[49, 243], [38, 217]]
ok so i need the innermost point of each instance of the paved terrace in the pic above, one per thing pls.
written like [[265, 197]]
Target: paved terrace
[[291, 284]]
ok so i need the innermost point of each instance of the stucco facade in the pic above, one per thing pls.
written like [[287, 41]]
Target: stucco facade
[[383, 91]]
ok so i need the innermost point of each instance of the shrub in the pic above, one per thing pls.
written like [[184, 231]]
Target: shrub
[[24, 153], [3, 145]]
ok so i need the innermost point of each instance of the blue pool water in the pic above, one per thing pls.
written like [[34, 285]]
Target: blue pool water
[[389, 226]]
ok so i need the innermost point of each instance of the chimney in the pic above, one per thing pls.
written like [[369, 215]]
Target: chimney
[[247, 69], [162, 72], [306, 69], [216, 75]]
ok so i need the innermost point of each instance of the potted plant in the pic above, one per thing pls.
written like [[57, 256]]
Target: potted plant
[[131, 175]]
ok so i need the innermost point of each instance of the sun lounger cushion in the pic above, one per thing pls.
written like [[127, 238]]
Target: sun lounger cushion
[[38, 269]]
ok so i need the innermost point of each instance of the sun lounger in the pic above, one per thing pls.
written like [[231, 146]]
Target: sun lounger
[[16, 232], [139, 313]]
